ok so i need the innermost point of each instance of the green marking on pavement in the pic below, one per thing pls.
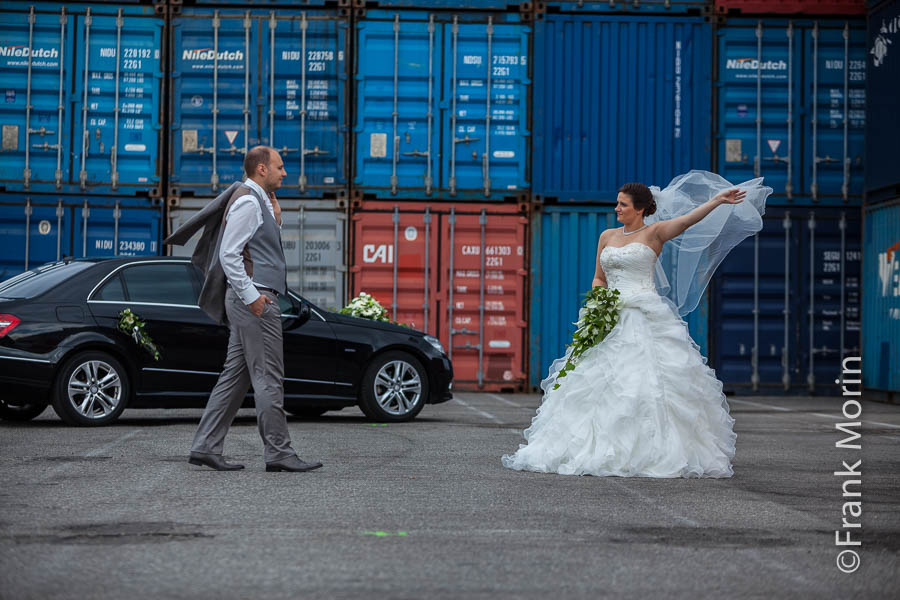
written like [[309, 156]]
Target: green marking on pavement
[[378, 424], [385, 533]]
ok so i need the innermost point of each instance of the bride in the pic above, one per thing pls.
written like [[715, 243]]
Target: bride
[[643, 403]]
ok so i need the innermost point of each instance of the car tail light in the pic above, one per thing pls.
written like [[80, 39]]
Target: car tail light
[[7, 324]]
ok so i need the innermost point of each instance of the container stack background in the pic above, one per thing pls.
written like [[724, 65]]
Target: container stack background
[[881, 211], [459, 160]]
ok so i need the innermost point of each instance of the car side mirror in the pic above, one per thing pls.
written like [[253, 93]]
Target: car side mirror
[[304, 314], [299, 312]]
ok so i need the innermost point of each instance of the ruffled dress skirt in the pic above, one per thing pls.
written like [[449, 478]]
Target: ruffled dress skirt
[[642, 403]]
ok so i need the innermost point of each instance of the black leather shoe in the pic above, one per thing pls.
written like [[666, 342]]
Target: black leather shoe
[[213, 461], [293, 464]]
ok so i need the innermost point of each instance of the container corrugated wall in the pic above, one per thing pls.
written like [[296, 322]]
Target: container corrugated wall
[[456, 271], [881, 297], [819, 7], [619, 99], [785, 307], [883, 91], [72, 64], [663, 7], [314, 240], [429, 87], [246, 77], [35, 229], [564, 253], [791, 107]]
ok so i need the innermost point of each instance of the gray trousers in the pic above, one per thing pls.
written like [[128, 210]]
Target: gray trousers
[[255, 355]]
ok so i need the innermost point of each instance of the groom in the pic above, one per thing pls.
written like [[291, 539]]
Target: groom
[[244, 273]]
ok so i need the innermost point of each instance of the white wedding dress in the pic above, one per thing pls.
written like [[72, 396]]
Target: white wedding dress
[[642, 403]]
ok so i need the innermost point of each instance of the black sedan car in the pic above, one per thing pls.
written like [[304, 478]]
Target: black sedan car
[[60, 344]]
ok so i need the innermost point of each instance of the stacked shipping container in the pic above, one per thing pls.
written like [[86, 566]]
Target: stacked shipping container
[[621, 94], [250, 73], [439, 225], [82, 127], [791, 108], [881, 213], [428, 202]]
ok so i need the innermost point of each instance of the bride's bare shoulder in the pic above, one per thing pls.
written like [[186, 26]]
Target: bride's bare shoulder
[[604, 237]]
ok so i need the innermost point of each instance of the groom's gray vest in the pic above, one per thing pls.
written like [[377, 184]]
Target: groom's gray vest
[[263, 256]]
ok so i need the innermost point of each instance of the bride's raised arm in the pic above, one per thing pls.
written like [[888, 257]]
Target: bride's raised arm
[[672, 228]]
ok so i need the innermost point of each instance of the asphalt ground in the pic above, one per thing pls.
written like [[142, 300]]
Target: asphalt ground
[[425, 510]]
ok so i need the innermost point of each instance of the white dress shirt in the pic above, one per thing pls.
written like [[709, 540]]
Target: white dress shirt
[[243, 219]]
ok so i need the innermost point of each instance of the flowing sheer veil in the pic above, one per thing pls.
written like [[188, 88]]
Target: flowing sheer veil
[[691, 258]]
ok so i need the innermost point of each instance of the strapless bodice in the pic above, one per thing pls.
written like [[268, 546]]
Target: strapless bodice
[[629, 268]]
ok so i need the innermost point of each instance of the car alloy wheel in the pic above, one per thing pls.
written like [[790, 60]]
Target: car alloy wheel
[[394, 388], [92, 388], [397, 388], [95, 389]]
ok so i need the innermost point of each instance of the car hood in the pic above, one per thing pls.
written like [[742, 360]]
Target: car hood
[[360, 322]]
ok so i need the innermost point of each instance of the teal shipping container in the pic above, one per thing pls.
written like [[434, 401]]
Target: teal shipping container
[[564, 253], [881, 298]]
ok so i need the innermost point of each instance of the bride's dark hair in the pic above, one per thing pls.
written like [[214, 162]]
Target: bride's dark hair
[[641, 197]]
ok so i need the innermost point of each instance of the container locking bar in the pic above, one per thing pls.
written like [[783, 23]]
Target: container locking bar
[[485, 159], [394, 113], [26, 173], [114, 155], [453, 110], [85, 136], [60, 106]]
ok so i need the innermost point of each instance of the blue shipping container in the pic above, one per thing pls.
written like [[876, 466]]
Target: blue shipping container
[[564, 253], [881, 298], [791, 107], [619, 99], [428, 87], [38, 229], [627, 6], [882, 93], [801, 278], [246, 77], [83, 88]]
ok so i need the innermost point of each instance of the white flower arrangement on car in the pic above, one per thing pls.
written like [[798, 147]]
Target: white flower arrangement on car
[[365, 306], [596, 319]]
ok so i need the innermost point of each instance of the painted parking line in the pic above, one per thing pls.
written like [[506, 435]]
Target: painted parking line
[[101, 450], [484, 414], [823, 415], [506, 401]]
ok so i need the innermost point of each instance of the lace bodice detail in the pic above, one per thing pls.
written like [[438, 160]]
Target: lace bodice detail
[[629, 268]]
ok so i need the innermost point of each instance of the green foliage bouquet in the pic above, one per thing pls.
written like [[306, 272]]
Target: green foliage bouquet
[[131, 325], [596, 319]]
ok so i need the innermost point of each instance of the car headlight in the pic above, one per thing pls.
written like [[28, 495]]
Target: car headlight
[[436, 343]]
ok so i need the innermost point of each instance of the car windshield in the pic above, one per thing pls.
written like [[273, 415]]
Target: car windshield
[[37, 281]]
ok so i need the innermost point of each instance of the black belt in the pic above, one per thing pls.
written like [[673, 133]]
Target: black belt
[[267, 289]]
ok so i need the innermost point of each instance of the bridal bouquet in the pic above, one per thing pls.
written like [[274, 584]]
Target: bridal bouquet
[[596, 319], [131, 325], [366, 307]]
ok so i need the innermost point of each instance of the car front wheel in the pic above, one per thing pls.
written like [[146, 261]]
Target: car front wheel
[[92, 389], [395, 388]]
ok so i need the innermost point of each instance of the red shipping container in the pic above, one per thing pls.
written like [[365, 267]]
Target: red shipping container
[[787, 7], [453, 270]]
